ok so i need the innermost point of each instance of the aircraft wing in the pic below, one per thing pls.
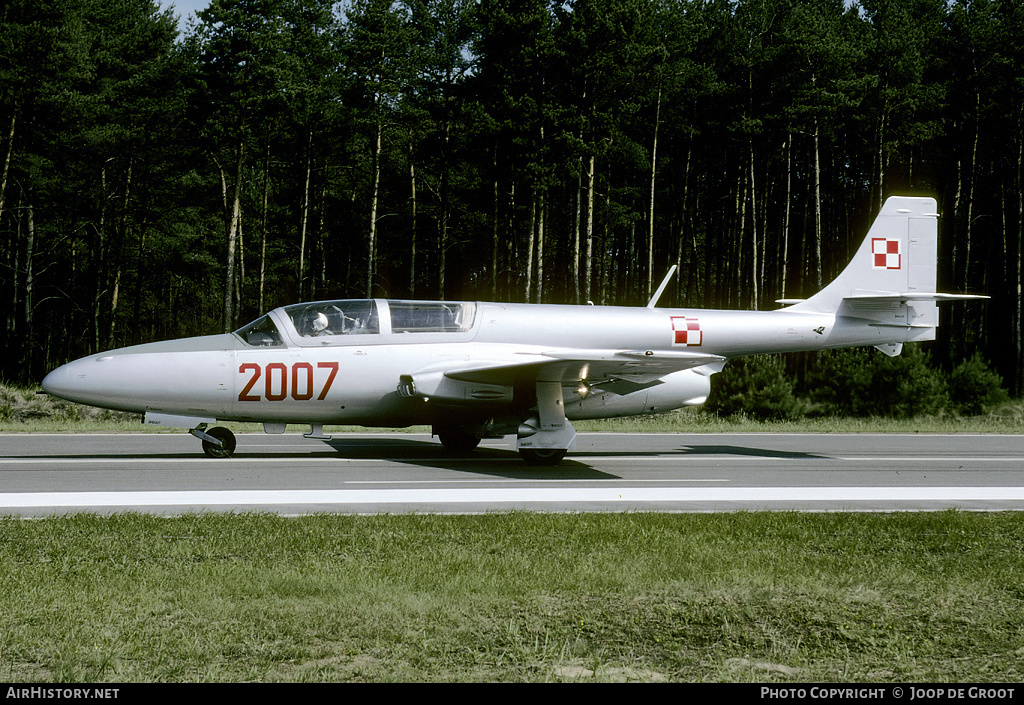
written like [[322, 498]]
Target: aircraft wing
[[571, 365]]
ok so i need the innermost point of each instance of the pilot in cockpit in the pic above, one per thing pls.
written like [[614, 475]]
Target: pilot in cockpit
[[319, 324]]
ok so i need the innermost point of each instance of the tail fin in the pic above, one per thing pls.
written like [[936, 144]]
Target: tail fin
[[891, 280]]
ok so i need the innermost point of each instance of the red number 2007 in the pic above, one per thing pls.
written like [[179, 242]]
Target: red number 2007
[[278, 380]]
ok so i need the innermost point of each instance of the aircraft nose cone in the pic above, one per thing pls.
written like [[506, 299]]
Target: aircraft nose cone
[[66, 382], [89, 380]]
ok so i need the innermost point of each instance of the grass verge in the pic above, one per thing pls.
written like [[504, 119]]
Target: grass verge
[[514, 597]]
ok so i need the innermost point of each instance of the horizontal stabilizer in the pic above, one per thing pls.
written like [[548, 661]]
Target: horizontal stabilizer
[[898, 309], [906, 296]]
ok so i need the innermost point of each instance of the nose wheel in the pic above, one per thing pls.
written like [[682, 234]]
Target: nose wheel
[[218, 442]]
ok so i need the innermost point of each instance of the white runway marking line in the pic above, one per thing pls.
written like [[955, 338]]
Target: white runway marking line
[[614, 495]]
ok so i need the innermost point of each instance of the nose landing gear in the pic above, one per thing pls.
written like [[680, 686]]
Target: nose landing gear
[[218, 442]]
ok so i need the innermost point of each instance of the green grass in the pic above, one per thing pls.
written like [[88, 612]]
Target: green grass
[[770, 597]]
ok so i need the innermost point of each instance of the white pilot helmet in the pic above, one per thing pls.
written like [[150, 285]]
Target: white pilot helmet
[[319, 322]]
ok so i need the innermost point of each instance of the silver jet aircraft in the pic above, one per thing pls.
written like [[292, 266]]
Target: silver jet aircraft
[[488, 370]]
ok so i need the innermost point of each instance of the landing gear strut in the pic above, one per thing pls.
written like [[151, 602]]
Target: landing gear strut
[[547, 437]]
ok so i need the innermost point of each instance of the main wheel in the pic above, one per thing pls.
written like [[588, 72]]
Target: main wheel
[[457, 439], [546, 456], [224, 436]]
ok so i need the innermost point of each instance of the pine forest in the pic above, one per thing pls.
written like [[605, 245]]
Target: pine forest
[[160, 182]]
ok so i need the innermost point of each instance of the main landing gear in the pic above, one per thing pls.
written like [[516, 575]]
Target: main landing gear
[[542, 439], [459, 441], [545, 438]]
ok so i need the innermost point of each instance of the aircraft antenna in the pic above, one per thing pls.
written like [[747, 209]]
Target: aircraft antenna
[[664, 283]]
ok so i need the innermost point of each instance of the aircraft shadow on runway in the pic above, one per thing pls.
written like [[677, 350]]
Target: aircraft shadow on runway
[[506, 463], [724, 450], [495, 462], [692, 449], [490, 461]]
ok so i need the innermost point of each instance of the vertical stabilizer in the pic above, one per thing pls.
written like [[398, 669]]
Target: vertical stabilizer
[[898, 256], [890, 283]]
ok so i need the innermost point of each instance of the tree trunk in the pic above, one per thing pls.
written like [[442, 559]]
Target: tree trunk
[[412, 224], [510, 240], [755, 260], [606, 244], [650, 208], [529, 250], [11, 256], [683, 291], [495, 231], [881, 156], [741, 216], [7, 156], [442, 245], [263, 227], [99, 260], [29, 329], [542, 207], [304, 214], [576, 292], [784, 264], [817, 205], [118, 256], [236, 214], [371, 243], [1017, 271], [589, 244]]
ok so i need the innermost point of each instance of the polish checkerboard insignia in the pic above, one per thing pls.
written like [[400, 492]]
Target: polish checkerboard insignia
[[687, 331], [885, 253]]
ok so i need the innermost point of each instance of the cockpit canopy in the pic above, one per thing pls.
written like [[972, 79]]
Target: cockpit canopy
[[334, 318], [261, 332], [431, 316], [326, 319]]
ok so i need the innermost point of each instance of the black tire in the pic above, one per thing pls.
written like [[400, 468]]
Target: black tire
[[547, 456], [458, 440], [224, 436]]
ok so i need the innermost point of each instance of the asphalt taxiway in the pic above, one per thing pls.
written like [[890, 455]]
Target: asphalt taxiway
[[45, 474]]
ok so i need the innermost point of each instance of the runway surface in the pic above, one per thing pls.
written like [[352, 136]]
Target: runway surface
[[44, 474]]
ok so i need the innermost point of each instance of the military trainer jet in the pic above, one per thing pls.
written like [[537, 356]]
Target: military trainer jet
[[477, 370]]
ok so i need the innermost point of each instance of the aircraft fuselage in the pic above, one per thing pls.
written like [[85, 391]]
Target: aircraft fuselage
[[355, 378], [477, 369]]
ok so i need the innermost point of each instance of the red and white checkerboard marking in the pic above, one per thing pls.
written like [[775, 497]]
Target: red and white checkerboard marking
[[687, 331], [885, 253]]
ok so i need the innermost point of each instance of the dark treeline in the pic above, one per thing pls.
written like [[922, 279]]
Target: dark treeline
[[157, 185]]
